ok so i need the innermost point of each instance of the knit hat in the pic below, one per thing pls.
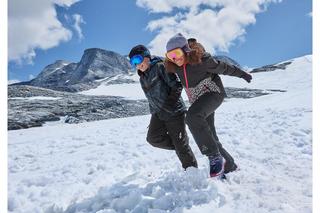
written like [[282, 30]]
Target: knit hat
[[178, 41], [139, 50]]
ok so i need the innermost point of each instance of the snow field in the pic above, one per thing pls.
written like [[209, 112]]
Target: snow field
[[107, 166]]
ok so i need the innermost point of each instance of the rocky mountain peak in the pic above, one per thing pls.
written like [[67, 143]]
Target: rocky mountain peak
[[95, 63]]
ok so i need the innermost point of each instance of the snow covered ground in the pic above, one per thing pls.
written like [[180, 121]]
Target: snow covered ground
[[107, 166]]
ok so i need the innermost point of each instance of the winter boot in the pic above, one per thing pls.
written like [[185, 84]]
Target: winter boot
[[217, 163], [232, 169]]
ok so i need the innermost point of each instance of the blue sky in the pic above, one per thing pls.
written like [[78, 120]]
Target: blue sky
[[281, 32]]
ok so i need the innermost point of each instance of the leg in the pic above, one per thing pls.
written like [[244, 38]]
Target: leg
[[229, 160], [198, 125], [177, 132], [158, 134]]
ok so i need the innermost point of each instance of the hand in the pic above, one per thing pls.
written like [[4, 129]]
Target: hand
[[247, 77]]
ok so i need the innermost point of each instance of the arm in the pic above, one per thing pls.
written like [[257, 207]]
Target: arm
[[175, 85], [220, 67]]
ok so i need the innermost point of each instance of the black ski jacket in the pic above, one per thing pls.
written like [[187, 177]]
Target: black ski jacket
[[162, 89]]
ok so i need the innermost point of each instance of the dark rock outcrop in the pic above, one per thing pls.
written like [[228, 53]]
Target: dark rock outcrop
[[26, 111], [30, 106], [273, 67]]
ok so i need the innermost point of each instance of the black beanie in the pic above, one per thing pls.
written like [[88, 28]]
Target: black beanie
[[139, 50]]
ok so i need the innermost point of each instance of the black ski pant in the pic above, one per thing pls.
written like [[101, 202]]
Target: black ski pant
[[200, 119], [172, 135]]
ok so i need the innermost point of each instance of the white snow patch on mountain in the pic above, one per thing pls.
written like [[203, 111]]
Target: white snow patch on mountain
[[129, 91], [35, 98], [294, 77]]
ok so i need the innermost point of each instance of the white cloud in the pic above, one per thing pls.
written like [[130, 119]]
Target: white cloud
[[65, 3], [309, 14], [31, 77], [78, 20], [34, 24], [217, 24]]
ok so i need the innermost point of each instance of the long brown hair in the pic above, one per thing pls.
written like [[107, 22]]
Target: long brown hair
[[192, 57]]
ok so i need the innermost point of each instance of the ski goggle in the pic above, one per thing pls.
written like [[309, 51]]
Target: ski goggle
[[136, 60], [174, 54]]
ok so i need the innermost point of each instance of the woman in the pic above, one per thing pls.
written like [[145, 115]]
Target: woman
[[199, 74]]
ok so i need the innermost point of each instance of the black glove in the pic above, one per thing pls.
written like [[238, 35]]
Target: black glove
[[247, 77]]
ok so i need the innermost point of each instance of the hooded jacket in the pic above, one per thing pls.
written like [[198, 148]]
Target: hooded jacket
[[204, 77]]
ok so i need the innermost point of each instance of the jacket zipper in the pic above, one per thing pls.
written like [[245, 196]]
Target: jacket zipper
[[186, 80]]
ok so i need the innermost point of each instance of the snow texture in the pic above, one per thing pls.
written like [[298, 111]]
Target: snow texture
[[107, 166]]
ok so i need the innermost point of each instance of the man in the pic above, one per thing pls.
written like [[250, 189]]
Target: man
[[167, 129]]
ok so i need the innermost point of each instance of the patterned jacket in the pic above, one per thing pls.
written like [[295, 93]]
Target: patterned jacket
[[204, 77]]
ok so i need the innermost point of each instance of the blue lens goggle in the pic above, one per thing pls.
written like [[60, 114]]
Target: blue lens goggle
[[136, 60]]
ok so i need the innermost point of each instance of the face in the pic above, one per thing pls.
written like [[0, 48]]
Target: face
[[179, 61], [176, 56], [144, 65]]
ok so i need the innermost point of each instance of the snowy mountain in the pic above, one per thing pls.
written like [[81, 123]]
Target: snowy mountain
[[99, 67], [95, 64], [107, 166]]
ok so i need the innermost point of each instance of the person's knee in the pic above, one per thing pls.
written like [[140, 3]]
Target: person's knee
[[154, 143], [194, 119], [160, 142], [152, 140]]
